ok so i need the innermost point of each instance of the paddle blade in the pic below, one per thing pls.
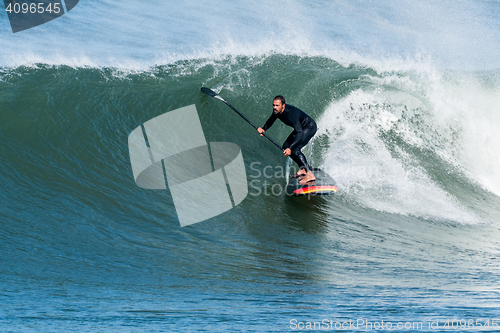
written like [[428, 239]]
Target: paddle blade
[[212, 93], [208, 91]]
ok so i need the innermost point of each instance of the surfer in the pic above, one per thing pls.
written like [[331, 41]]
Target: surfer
[[304, 128]]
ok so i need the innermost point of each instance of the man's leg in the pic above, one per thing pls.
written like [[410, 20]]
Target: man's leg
[[295, 157], [299, 157]]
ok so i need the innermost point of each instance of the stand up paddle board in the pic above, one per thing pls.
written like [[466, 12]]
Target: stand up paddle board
[[323, 185]]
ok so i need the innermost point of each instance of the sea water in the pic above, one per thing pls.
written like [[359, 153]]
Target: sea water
[[406, 96]]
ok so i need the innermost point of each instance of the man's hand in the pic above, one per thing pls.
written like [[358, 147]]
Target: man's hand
[[261, 131], [287, 152]]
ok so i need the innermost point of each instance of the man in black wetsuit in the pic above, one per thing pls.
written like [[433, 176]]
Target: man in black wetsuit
[[304, 128]]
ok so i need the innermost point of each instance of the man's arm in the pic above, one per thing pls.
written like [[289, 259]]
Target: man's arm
[[270, 121]]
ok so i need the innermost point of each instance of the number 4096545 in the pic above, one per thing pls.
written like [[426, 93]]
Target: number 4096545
[[33, 8], [464, 323]]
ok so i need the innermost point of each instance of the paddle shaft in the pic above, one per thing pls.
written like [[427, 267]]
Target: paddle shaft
[[213, 94]]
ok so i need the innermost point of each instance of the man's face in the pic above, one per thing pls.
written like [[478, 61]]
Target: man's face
[[278, 107]]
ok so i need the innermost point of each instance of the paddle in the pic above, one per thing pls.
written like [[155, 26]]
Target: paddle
[[212, 93]]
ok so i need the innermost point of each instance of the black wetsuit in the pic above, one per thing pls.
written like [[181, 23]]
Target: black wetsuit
[[304, 128]]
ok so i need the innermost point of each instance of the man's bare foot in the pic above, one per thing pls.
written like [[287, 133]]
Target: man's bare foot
[[300, 173], [308, 178]]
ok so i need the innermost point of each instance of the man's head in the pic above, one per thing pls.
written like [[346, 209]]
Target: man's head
[[278, 104]]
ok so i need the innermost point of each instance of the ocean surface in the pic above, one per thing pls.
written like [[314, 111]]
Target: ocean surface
[[406, 95]]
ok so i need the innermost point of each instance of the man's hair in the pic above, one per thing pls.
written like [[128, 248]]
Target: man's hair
[[281, 98]]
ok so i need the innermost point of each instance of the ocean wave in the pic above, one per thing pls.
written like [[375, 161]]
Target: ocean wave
[[402, 142]]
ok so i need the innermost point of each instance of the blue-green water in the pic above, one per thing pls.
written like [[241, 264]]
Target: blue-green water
[[408, 132]]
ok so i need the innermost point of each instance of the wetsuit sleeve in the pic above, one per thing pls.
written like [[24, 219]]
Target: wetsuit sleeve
[[270, 122]]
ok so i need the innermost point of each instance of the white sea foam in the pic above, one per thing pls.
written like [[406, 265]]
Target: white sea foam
[[428, 112], [459, 34]]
